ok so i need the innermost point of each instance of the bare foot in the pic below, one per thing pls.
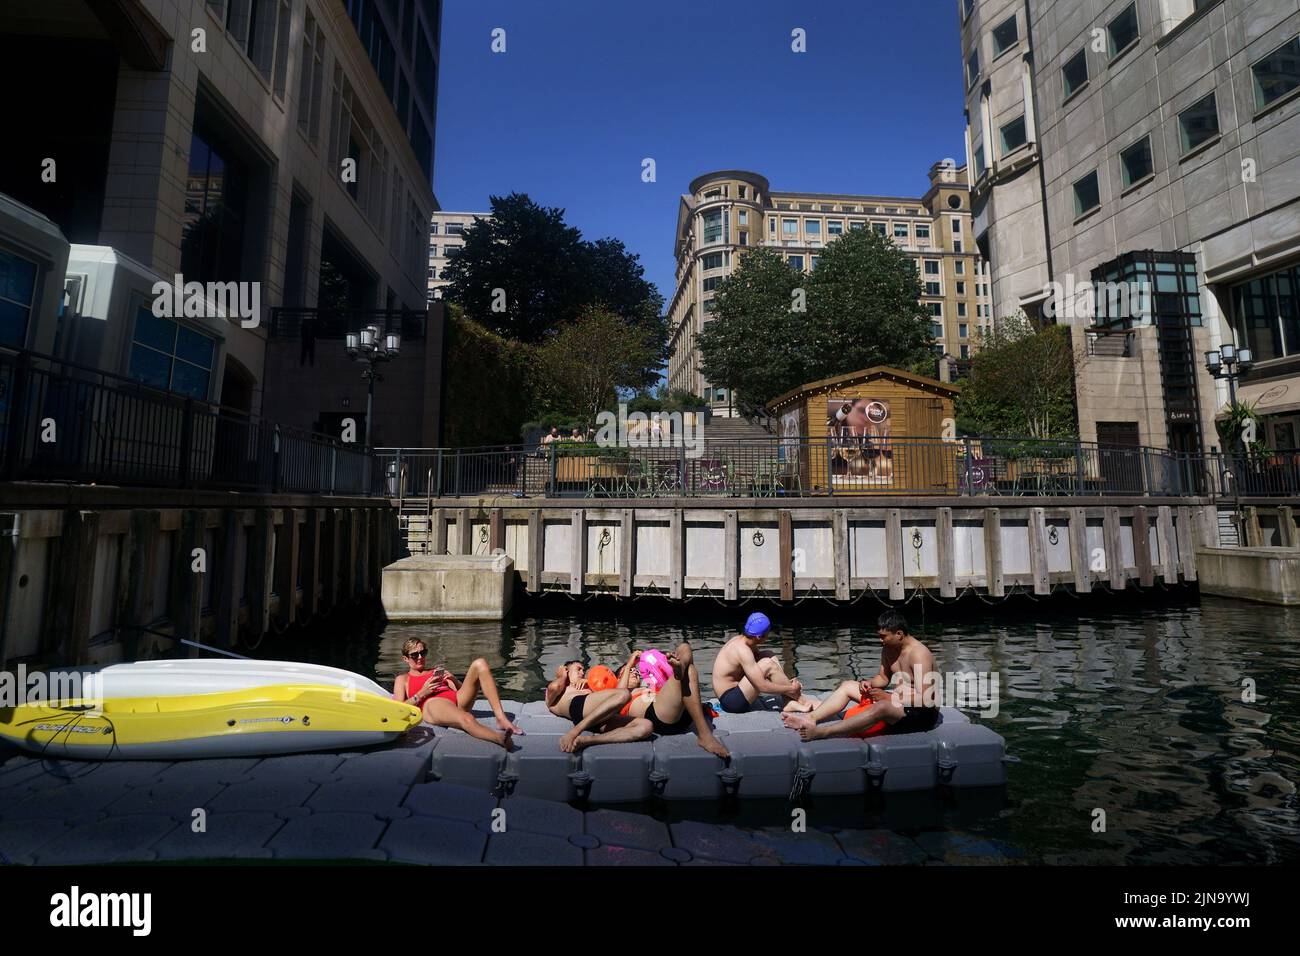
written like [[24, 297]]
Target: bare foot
[[797, 721], [812, 732], [801, 706], [581, 743], [569, 742], [505, 723], [714, 746]]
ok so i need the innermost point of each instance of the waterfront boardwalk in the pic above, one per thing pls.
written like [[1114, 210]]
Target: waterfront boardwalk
[[382, 806]]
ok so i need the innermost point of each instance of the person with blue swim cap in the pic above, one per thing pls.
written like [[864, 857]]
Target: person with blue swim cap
[[741, 672]]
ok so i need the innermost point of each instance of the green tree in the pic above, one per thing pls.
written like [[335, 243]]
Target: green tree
[[581, 368], [861, 308], [754, 342], [489, 387], [1021, 383], [524, 272]]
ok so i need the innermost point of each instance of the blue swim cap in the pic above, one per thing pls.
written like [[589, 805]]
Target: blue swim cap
[[757, 625]]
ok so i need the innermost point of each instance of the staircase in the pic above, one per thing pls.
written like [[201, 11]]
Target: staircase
[[734, 429]]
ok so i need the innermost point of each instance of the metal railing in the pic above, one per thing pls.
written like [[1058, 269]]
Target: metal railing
[[804, 467], [64, 422]]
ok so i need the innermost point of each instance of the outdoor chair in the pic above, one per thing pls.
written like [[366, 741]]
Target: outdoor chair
[[767, 478]]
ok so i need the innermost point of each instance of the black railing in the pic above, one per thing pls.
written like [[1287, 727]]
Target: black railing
[[803, 467], [64, 422], [334, 324]]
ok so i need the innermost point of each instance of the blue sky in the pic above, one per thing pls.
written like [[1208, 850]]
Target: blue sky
[[589, 88]]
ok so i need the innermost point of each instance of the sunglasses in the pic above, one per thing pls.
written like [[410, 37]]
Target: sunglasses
[[418, 654]]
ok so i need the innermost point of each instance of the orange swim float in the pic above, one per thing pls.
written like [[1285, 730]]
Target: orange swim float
[[872, 731], [601, 677]]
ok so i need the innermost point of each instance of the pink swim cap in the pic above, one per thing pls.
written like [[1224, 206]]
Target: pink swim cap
[[655, 669]]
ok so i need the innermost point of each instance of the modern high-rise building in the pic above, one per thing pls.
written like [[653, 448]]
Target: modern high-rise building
[[287, 143], [1117, 146], [727, 213], [445, 231]]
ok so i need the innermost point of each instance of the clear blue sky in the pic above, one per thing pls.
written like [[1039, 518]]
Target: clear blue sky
[[588, 88]]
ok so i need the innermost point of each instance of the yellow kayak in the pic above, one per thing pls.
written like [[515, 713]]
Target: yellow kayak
[[276, 719]]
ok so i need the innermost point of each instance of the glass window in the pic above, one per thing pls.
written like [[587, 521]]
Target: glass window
[[936, 309], [1005, 36], [1278, 73], [923, 230], [455, 228], [1087, 194], [1013, 135], [972, 67], [742, 218], [216, 205], [712, 261], [711, 283], [1123, 30], [855, 225], [1267, 314], [1136, 161], [965, 351], [900, 230], [932, 267], [961, 312], [879, 228], [744, 238], [961, 288], [1075, 73], [932, 288], [813, 227], [712, 227], [963, 330], [790, 227], [796, 262], [1198, 123], [960, 267], [812, 263], [17, 289], [170, 356], [834, 227], [936, 329]]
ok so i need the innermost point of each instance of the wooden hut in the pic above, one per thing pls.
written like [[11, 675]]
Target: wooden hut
[[875, 431]]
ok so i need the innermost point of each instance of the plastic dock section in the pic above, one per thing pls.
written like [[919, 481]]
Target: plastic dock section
[[767, 761]]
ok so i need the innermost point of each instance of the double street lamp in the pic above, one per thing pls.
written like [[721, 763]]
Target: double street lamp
[[1230, 362], [373, 347]]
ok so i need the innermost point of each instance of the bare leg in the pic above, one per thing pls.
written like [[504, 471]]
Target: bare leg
[[479, 678], [687, 681], [443, 713], [840, 697], [771, 667], [600, 707], [624, 730], [888, 710]]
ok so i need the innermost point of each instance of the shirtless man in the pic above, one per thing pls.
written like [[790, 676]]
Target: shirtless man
[[741, 672], [896, 693], [674, 708], [569, 696]]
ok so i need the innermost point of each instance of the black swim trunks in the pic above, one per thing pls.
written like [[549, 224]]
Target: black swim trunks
[[680, 726], [734, 701], [575, 707], [915, 720]]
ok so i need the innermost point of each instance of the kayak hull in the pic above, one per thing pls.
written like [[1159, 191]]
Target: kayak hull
[[276, 719], [178, 678]]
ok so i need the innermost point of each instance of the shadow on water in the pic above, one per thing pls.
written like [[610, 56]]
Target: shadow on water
[[1150, 728]]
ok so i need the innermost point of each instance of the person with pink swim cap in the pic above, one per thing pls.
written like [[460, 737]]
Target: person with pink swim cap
[[673, 705]]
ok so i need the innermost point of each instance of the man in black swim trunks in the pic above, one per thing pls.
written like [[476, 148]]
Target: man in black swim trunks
[[569, 696], [901, 693]]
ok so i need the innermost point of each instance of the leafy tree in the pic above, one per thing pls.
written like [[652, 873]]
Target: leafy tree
[[581, 368], [489, 384], [550, 276], [1021, 383], [861, 309], [754, 342]]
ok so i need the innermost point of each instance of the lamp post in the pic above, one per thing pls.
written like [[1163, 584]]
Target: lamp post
[[1229, 362], [373, 347]]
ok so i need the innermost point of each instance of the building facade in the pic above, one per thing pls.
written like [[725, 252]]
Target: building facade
[[729, 212], [445, 231], [1116, 145], [282, 143]]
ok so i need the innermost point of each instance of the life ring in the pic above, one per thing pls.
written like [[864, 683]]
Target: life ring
[[872, 731]]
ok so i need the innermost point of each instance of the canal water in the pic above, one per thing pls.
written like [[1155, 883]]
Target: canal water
[[1147, 730]]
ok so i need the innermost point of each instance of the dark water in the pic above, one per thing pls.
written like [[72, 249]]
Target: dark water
[[1129, 706]]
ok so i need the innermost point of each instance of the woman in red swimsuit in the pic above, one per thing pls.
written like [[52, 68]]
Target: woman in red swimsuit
[[446, 703]]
